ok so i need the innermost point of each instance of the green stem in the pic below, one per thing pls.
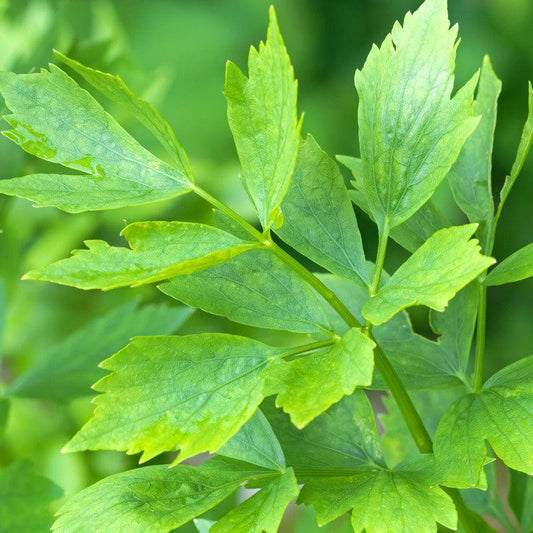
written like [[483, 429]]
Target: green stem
[[480, 337], [380, 257], [404, 402]]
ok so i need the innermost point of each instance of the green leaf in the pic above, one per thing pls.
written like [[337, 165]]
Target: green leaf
[[257, 289], [193, 393], [342, 441], [54, 119], [413, 232], [456, 328], [410, 131], [400, 500], [516, 267], [470, 177], [153, 498], [263, 511], [263, 119], [114, 88], [526, 140], [188, 247], [72, 364], [25, 498], [432, 276], [309, 385], [319, 221], [501, 413], [256, 443]]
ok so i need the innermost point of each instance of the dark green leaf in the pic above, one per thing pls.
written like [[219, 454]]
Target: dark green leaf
[[319, 221], [341, 441], [24, 499], [470, 177], [256, 443], [516, 267], [258, 289], [72, 365]]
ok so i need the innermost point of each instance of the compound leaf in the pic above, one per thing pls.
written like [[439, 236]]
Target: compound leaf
[[24, 499], [193, 393], [470, 177], [501, 413], [263, 511], [256, 443], [309, 385], [257, 289], [404, 500], [516, 267], [152, 498], [319, 220], [158, 251], [410, 131], [114, 88], [54, 119], [72, 364], [432, 276], [263, 119]]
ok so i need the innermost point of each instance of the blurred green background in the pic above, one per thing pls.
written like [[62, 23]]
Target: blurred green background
[[173, 52]]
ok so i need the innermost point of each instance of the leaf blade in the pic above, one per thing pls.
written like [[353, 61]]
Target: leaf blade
[[443, 265], [408, 147], [264, 510], [319, 221], [308, 386], [142, 408], [151, 497], [516, 267], [470, 177], [115, 89], [189, 247], [49, 110], [263, 119]]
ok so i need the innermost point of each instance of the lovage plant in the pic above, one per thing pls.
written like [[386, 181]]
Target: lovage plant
[[295, 421]]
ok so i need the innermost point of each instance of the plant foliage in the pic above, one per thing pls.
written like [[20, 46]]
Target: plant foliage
[[315, 438]]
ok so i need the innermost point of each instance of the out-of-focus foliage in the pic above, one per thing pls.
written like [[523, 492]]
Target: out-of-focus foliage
[[173, 53]]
